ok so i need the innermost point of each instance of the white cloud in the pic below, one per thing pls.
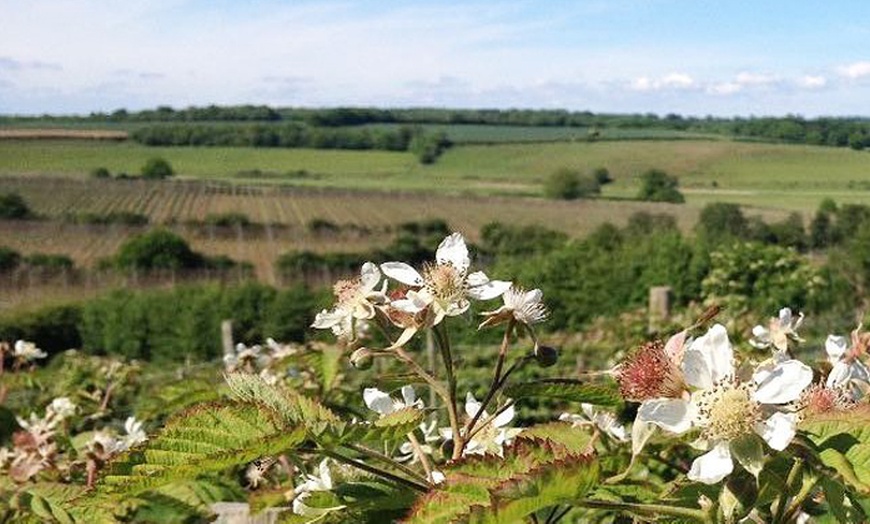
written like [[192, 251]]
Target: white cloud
[[745, 78], [671, 81], [725, 88], [855, 70], [812, 81]]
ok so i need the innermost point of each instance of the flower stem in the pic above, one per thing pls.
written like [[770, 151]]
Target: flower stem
[[376, 455], [794, 475], [647, 509], [418, 450], [496, 377], [446, 355], [375, 471]]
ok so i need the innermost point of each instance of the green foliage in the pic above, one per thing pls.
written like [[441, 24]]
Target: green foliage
[[428, 147], [602, 393], [13, 207], [9, 259], [658, 186], [229, 219], [101, 172], [842, 441], [498, 239], [720, 221], [751, 276], [53, 328], [50, 262], [184, 323], [157, 168], [158, 249], [126, 218], [570, 184]]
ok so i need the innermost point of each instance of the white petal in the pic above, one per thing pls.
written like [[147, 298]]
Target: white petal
[[478, 278], [369, 276], [403, 273], [326, 319], [472, 406], [377, 400], [675, 344], [778, 430], [453, 251], [437, 477], [641, 432], [836, 347], [403, 339], [408, 395], [709, 359], [785, 316], [325, 476], [839, 375], [504, 418], [783, 383], [490, 290], [713, 466], [671, 414], [412, 303]]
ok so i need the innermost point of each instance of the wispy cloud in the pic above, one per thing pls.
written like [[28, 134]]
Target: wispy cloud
[[855, 70]]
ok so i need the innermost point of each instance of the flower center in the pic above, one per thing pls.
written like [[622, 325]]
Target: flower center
[[445, 282], [650, 373], [727, 411], [818, 399], [347, 291]]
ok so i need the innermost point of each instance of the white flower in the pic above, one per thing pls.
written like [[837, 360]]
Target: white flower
[[381, 402], [778, 332], [604, 420], [135, 434], [524, 306], [62, 407], [494, 434], [27, 351], [107, 442], [355, 301], [726, 409], [446, 285], [245, 356], [312, 483], [848, 372]]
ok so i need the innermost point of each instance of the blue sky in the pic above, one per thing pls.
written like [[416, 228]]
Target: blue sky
[[692, 57]]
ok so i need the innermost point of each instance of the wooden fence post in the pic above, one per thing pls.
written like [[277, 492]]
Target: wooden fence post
[[659, 307]]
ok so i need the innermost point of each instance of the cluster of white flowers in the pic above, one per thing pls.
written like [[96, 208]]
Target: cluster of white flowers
[[257, 358], [696, 385], [424, 298], [27, 351], [35, 448]]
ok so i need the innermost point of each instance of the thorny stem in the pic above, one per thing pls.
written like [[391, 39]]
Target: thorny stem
[[376, 455], [444, 344], [496, 377], [403, 355], [557, 517], [375, 471]]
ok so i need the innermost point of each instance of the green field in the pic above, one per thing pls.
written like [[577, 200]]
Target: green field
[[764, 175]]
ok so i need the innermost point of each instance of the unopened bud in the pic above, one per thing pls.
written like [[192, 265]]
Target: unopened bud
[[362, 358], [546, 356]]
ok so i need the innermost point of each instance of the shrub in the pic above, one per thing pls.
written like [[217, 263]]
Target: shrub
[[602, 176], [721, 220], [100, 172], [9, 259], [53, 328], [231, 219], [49, 261], [13, 207], [157, 168], [158, 249], [569, 184], [658, 186]]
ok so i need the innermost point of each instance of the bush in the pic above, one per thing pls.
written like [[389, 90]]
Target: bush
[[54, 328], [658, 186], [13, 207], [232, 219], [569, 184], [721, 220], [100, 172], [602, 176], [49, 262], [427, 148], [157, 168], [158, 249], [9, 259]]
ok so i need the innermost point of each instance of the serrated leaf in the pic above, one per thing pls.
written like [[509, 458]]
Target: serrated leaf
[[843, 443], [573, 440], [391, 427], [560, 482], [749, 452], [598, 393], [234, 434]]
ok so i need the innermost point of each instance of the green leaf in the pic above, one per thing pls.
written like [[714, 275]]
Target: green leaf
[[749, 452], [573, 440], [394, 426], [207, 438], [326, 360], [600, 393], [842, 441], [560, 482]]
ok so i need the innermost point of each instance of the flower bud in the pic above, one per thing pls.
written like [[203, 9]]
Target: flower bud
[[546, 356], [362, 358]]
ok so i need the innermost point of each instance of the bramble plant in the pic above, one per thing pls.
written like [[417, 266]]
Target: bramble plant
[[693, 428]]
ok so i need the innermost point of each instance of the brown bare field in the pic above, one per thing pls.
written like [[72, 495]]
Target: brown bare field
[[62, 134], [281, 214]]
